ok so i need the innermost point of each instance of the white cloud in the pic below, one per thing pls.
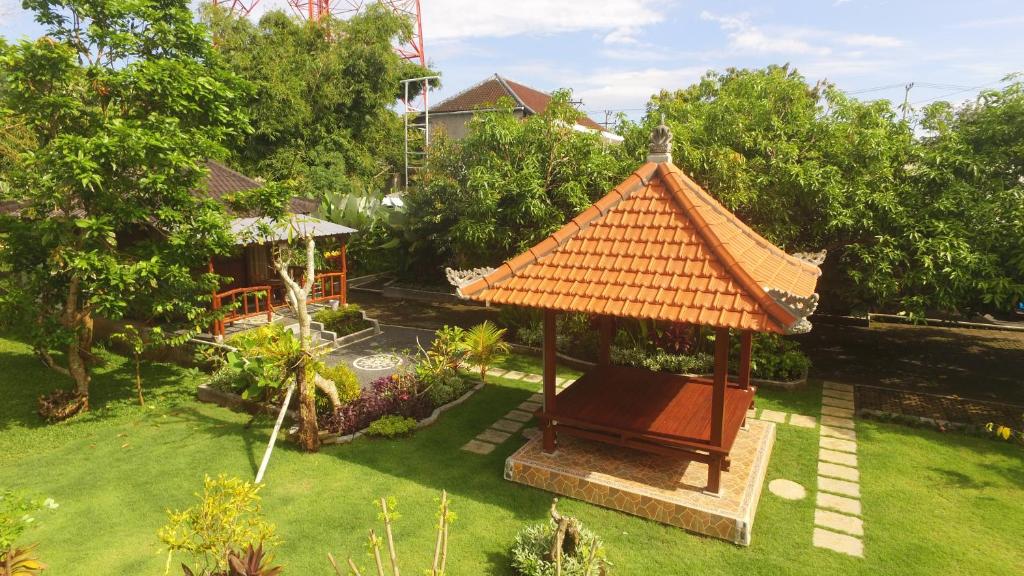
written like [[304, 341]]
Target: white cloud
[[870, 41], [447, 19], [744, 36], [622, 89], [992, 22]]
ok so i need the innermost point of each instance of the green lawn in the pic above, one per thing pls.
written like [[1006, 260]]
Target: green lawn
[[933, 503]]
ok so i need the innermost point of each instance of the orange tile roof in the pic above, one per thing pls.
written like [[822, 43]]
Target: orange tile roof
[[659, 247]]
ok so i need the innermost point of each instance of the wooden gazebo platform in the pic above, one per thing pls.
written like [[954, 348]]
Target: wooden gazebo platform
[[657, 247]]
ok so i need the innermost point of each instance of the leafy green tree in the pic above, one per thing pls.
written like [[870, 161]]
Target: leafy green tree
[[505, 186], [125, 100], [322, 97], [911, 223]]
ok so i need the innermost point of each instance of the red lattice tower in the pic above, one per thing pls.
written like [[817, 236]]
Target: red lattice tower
[[238, 7]]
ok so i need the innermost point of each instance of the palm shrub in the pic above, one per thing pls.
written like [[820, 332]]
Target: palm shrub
[[484, 345]]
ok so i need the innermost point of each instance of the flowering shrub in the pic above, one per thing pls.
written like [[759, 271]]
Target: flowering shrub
[[394, 394]]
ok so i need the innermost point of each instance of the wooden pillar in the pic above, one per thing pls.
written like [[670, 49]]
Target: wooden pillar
[[718, 407], [550, 441], [218, 328], [344, 273], [606, 332], [746, 345], [718, 388]]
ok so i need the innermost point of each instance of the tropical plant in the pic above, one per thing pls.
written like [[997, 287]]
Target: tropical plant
[[17, 514], [343, 321], [124, 103], [505, 186], [387, 506], [227, 520], [391, 426], [138, 343], [20, 562], [484, 345], [559, 547]]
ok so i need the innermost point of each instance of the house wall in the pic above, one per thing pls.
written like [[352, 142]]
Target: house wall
[[454, 124]]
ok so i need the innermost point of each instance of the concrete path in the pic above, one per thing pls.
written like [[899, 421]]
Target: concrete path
[[382, 354]]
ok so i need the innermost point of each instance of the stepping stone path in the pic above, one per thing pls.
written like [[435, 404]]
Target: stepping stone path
[[800, 420], [787, 489], [838, 525], [513, 422]]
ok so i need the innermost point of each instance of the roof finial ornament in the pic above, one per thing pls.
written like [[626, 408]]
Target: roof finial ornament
[[660, 148]]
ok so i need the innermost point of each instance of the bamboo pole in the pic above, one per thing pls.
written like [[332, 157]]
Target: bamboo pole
[[273, 436], [375, 544]]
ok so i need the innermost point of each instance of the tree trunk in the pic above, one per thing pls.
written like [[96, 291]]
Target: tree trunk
[[79, 350], [309, 433]]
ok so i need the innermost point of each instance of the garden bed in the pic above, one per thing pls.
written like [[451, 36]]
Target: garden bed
[[416, 292], [233, 401], [338, 438]]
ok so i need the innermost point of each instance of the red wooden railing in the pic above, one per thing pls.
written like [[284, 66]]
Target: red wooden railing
[[247, 303], [329, 286]]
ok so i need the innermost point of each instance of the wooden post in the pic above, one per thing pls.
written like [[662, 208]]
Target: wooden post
[[344, 274], [605, 334], [550, 440], [718, 388], [746, 345], [214, 304]]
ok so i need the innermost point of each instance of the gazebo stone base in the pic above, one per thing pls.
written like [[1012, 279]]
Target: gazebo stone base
[[667, 490]]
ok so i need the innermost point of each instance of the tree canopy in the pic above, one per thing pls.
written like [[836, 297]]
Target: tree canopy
[[506, 185], [917, 217], [124, 102], [322, 99]]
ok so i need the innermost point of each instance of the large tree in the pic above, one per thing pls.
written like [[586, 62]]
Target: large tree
[[506, 185], [125, 101], [323, 97], [912, 223]]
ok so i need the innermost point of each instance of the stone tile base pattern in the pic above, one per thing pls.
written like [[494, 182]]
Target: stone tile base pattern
[[667, 490]]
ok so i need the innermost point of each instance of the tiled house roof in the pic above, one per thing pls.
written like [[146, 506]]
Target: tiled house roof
[[659, 247], [487, 93], [224, 181]]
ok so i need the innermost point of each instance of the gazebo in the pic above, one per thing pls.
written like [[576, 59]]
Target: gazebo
[[656, 247]]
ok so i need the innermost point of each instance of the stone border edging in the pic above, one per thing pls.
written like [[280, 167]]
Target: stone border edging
[[364, 333], [335, 438], [390, 291]]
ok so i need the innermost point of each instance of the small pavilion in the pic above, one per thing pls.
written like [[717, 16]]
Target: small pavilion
[[656, 247]]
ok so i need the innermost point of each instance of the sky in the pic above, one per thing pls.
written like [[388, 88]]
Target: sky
[[614, 54]]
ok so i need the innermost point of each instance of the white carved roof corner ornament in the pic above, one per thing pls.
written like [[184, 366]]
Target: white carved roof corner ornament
[[799, 306]]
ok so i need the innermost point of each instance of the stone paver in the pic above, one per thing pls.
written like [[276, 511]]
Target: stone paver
[[752, 413], [838, 471], [837, 412], [530, 406], [773, 416], [839, 522], [837, 386], [532, 378], [514, 375], [836, 421], [538, 398], [842, 433], [494, 436], [507, 425], [496, 372], [803, 421], [838, 445], [518, 415], [841, 487], [840, 503], [837, 394], [787, 489], [836, 402], [837, 457], [842, 543], [478, 447], [531, 432]]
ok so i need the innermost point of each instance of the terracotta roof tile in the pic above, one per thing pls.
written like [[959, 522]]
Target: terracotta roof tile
[[658, 247]]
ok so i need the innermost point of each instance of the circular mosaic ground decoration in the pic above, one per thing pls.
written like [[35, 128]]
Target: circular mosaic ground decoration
[[377, 362]]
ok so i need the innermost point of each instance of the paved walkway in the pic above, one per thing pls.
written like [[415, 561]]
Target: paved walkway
[[382, 354], [837, 519]]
